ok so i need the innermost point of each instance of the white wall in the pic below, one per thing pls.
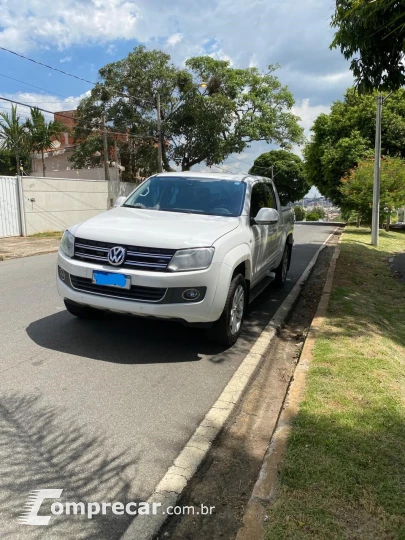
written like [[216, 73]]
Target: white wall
[[119, 189], [60, 203]]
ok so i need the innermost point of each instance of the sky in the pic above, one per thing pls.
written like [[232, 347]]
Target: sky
[[81, 36]]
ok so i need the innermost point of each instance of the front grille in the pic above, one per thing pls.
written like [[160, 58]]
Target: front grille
[[138, 258], [136, 293]]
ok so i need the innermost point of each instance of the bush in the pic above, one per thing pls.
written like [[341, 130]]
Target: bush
[[312, 216], [299, 213]]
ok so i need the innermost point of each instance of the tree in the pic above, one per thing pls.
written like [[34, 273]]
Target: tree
[[13, 136], [237, 107], [289, 175], [346, 135], [299, 213], [376, 31], [357, 187], [42, 134]]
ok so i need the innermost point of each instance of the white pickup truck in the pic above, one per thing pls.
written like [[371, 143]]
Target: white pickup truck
[[190, 247]]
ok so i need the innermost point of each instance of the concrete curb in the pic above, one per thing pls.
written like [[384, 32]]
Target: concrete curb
[[266, 485], [172, 485], [7, 257]]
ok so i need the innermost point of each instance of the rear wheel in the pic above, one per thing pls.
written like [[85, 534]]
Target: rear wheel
[[228, 327], [282, 269], [83, 312]]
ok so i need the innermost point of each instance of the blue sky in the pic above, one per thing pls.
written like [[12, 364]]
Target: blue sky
[[80, 36]]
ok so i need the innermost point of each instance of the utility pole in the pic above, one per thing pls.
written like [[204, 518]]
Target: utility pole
[[106, 169], [159, 132], [377, 172], [117, 160]]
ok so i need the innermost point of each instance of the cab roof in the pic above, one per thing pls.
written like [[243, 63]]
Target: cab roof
[[214, 176]]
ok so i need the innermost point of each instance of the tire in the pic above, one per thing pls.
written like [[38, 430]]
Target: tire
[[227, 329], [83, 312], [282, 269]]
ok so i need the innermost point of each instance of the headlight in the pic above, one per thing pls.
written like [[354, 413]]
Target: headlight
[[191, 259], [67, 244]]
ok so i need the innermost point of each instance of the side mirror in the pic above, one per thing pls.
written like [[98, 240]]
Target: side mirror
[[120, 201], [266, 216]]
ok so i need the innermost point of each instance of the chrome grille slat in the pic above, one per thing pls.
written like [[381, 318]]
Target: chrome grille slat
[[139, 254], [136, 263], [137, 257], [93, 248], [87, 256]]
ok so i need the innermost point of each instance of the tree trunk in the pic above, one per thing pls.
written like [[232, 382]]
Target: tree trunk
[[185, 164], [388, 221], [17, 158], [358, 221], [166, 164], [43, 162]]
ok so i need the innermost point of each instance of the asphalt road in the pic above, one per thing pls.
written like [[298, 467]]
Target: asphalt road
[[101, 408]]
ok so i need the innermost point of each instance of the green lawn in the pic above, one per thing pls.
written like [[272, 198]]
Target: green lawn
[[343, 475]]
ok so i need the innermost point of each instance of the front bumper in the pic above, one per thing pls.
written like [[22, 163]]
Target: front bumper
[[207, 310]]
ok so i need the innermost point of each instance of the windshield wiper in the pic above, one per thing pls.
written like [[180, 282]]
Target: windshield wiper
[[182, 210], [137, 206]]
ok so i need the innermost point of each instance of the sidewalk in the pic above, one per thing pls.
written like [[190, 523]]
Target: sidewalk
[[17, 246]]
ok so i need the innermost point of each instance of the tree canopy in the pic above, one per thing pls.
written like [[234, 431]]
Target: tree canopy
[[347, 134], [13, 136], [289, 175], [236, 107], [41, 134], [371, 33], [357, 187]]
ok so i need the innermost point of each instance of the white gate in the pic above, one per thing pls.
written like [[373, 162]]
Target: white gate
[[9, 209]]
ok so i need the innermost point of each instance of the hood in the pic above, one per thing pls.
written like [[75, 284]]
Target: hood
[[154, 228]]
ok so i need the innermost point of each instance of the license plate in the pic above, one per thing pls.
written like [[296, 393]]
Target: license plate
[[111, 279]]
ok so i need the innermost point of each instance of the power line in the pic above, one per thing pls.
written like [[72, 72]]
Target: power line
[[33, 86], [72, 75], [49, 67], [77, 121]]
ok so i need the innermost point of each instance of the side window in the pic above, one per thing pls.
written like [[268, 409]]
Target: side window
[[257, 200], [269, 196]]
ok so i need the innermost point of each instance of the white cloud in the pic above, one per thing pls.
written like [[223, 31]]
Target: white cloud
[[111, 49], [43, 101], [308, 113], [174, 39], [28, 24], [66, 59]]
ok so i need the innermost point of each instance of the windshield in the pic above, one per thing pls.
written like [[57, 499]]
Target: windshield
[[190, 195]]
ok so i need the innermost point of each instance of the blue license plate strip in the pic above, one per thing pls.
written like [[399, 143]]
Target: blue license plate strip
[[111, 279]]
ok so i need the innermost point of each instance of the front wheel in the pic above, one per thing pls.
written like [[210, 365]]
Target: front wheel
[[227, 329]]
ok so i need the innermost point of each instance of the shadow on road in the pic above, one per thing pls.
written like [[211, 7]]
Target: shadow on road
[[41, 447], [134, 340], [122, 339]]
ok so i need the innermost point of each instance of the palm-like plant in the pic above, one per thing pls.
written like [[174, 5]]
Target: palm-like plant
[[41, 133], [13, 135]]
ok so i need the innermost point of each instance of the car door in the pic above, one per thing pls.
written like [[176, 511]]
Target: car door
[[259, 234], [271, 247]]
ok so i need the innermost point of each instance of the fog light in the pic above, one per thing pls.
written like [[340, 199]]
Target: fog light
[[191, 294], [62, 274]]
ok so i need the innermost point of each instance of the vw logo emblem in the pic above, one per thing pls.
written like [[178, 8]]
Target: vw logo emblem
[[116, 255]]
